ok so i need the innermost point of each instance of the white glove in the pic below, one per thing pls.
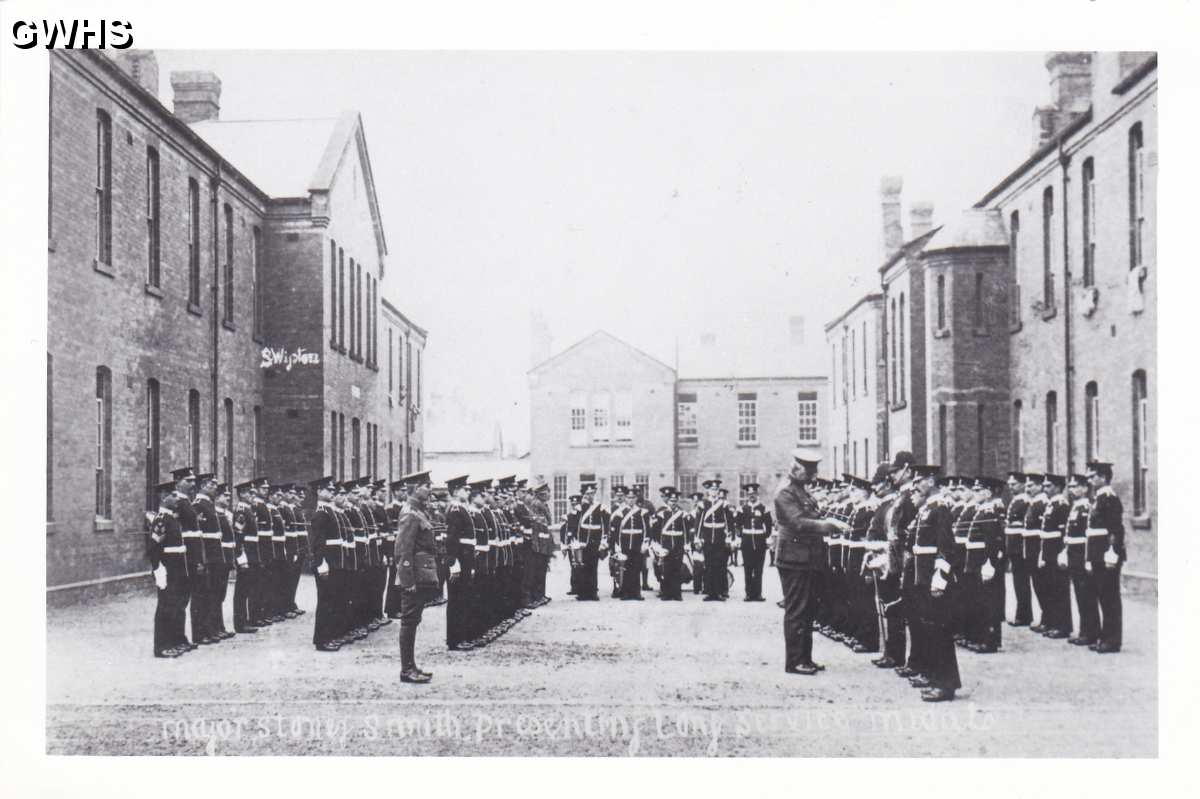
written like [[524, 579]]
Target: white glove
[[1087, 567], [988, 571], [455, 569], [941, 565], [1111, 559], [322, 569], [160, 577], [242, 560], [1062, 559], [938, 585]]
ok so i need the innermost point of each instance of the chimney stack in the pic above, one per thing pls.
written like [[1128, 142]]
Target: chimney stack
[[142, 66], [1070, 94], [893, 231], [197, 96], [920, 219]]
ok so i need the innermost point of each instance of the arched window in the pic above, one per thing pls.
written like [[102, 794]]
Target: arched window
[[228, 263], [1137, 196], [193, 429], [980, 414], [333, 293], [943, 447], [1047, 247], [355, 443], [1141, 443], [903, 387], [153, 443], [1091, 420], [103, 455], [1088, 187], [229, 441], [1014, 278], [1051, 428], [194, 243], [103, 188], [1017, 448], [941, 302]]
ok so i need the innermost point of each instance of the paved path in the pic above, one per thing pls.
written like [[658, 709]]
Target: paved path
[[583, 678]]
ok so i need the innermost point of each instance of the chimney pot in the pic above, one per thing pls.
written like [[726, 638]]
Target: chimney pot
[[1070, 81], [893, 231], [920, 219], [197, 96]]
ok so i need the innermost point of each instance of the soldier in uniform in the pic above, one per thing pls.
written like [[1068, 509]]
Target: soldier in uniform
[[716, 523], [801, 560], [351, 588], [569, 535], [296, 527], [984, 569], [671, 532], [543, 541], [755, 526], [394, 510], [264, 613], [328, 567], [481, 594], [460, 555], [229, 555], [193, 541], [1014, 546], [862, 627], [592, 538], [438, 502], [207, 522], [247, 580], [1056, 612], [1106, 553], [630, 530], [889, 627], [1076, 562], [697, 503], [415, 557], [932, 549], [1032, 537], [168, 562], [900, 563]]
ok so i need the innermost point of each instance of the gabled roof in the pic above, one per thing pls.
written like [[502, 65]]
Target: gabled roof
[[290, 158], [908, 248], [873, 297], [599, 334], [974, 228]]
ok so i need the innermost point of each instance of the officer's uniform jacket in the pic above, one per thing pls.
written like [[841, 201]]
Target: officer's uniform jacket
[[1032, 534], [414, 535], [985, 535], [1106, 526], [278, 535], [230, 548], [189, 525], [543, 539], [716, 523], [164, 544], [755, 524], [855, 545], [209, 526], [672, 530], [1014, 526], [325, 538], [245, 529], [262, 522], [800, 543], [962, 518], [1054, 523], [592, 526], [932, 539], [1077, 534]]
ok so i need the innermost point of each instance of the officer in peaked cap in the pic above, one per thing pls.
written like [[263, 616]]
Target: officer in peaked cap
[[328, 567], [756, 526], [168, 561], [716, 521], [1105, 554], [800, 559], [193, 541]]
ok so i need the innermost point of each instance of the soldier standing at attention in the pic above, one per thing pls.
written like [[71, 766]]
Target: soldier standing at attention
[[249, 564], [543, 546], [698, 504], [193, 541], [228, 558], [1032, 536], [209, 526], [1056, 614], [889, 621], [460, 554], [168, 563], [631, 536], [569, 535], [801, 560], [983, 575], [592, 534], [672, 533], [325, 544], [756, 526], [716, 523], [1014, 548], [391, 605], [416, 574], [1076, 562], [1106, 553], [932, 548]]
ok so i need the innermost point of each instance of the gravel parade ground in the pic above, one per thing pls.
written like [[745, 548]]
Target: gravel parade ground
[[584, 678]]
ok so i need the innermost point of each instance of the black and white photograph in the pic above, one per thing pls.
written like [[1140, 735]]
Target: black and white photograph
[[598, 402]]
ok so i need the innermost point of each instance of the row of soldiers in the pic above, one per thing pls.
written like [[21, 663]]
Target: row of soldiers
[[684, 542], [933, 551], [195, 540]]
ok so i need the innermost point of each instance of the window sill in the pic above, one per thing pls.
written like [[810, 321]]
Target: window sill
[[102, 525], [899, 406], [747, 444], [154, 291], [941, 332], [689, 444], [194, 309], [225, 323], [51, 528], [1141, 522], [103, 268], [1049, 313], [1015, 327]]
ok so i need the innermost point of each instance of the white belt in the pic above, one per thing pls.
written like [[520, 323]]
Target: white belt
[[924, 550], [828, 540], [527, 530], [671, 532], [467, 541], [179, 550], [543, 535], [976, 544], [714, 524], [347, 544], [961, 540], [1051, 535], [1014, 530], [1076, 540], [481, 547], [1031, 533], [876, 546], [228, 544], [294, 534], [1096, 531], [856, 544], [216, 535], [279, 538], [754, 532], [360, 539], [192, 534]]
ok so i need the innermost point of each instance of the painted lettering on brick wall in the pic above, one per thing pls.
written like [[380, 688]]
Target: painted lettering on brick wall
[[278, 356]]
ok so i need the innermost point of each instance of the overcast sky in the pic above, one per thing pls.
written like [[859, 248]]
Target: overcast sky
[[654, 195]]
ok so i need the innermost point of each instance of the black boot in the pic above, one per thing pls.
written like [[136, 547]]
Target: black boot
[[408, 666]]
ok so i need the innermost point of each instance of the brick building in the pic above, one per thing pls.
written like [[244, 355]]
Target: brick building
[[603, 410], [857, 417], [216, 291], [1022, 334]]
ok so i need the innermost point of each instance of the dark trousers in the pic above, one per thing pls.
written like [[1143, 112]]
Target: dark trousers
[[715, 565], [412, 606], [752, 568], [458, 608], [1089, 609], [541, 567], [294, 571], [243, 582], [1108, 592], [937, 620], [891, 608], [698, 577], [589, 578], [1037, 579], [670, 586], [869, 622], [631, 577], [801, 598], [1021, 589], [913, 609], [325, 619], [260, 591], [219, 576], [170, 611], [1056, 587], [391, 603], [378, 578], [200, 590]]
